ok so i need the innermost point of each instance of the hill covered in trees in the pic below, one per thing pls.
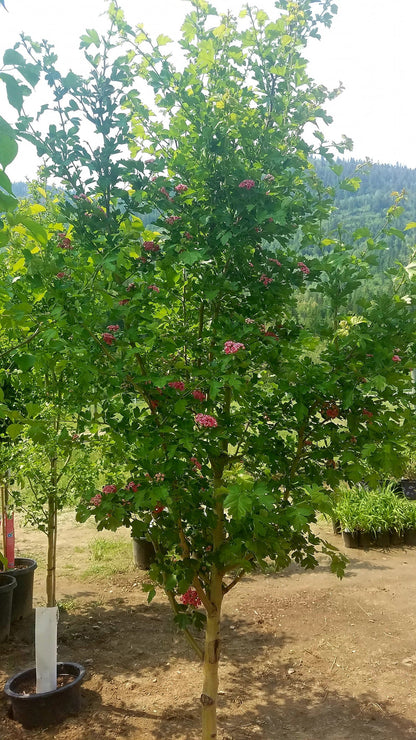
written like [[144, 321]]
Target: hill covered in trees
[[372, 192]]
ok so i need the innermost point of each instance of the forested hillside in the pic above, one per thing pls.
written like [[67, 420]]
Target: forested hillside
[[368, 204]]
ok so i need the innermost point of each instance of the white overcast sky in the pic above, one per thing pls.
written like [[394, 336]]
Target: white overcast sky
[[371, 48]]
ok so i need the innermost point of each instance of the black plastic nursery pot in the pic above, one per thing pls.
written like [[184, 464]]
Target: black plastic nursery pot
[[410, 536], [7, 586], [143, 553], [49, 708], [23, 572], [351, 539]]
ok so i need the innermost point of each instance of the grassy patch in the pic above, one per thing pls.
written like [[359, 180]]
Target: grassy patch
[[108, 558]]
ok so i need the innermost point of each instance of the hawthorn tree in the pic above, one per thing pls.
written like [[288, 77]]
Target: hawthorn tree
[[231, 421]]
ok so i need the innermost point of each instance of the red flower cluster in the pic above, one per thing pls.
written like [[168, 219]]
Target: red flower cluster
[[108, 338], [199, 395], [124, 302], [265, 280], [332, 411], [181, 188], [171, 219], [131, 286], [368, 413], [304, 268], [191, 598], [151, 247], [195, 462], [270, 334], [276, 262], [132, 486], [96, 500], [158, 509], [111, 488], [188, 235], [230, 347], [178, 385], [113, 327], [247, 184], [64, 241], [204, 420], [153, 287], [61, 275]]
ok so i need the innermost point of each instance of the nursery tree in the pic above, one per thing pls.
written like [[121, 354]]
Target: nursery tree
[[233, 421]]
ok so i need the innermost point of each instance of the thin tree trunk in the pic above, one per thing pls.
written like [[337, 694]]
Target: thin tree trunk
[[211, 660], [212, 633], [52, 531]]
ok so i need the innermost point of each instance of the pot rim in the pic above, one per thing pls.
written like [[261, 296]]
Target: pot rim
[[78, 676]]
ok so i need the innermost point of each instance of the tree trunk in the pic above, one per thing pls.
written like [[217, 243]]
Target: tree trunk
[[210, 686], [52, 529]]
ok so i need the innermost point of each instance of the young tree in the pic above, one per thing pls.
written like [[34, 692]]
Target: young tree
[[234, 421]]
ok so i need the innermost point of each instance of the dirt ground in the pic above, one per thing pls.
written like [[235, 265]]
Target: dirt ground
[[305, 656]]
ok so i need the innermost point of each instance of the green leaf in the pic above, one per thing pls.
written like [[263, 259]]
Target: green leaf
[[15, 91], [35, 229], [410, 225], [13, 58], [13, 430], [237, 502], [25, 362], [361, 233], [8, 149], [5, 183], [162, 40], [91, 37]]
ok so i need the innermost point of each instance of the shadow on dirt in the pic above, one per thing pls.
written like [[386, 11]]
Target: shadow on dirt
[[263, 699]]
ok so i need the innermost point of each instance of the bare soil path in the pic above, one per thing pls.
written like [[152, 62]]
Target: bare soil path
[[305, 656]]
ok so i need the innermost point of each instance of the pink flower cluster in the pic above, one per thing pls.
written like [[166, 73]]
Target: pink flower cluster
[[247, 184], [113, 327], [151, 247], [171, 219], [159, 477], [195, 462], [276, 262], [265, 280], [204, 420], [181, 188], [64, 241], [131, 286], [230, 347], [153, 287], [396, 358], [132, 486], [304, 268], [96, 500], [199, 395], [249, 321], [61, 275], [178, 385], [108, 338], [111, 488], [191, 598]]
